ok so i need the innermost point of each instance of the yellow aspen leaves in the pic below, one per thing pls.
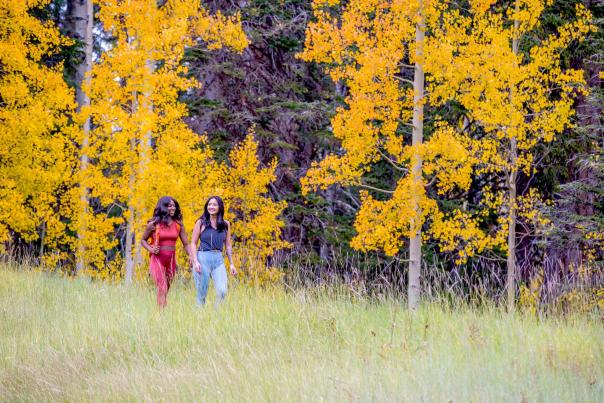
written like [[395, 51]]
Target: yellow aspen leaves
[[514, 97], [468, 58], [143, 149], [257, 223], [367, 46], [36, 152], [139, 147]]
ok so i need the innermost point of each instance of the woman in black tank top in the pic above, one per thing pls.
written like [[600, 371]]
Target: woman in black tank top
[[214, 234]]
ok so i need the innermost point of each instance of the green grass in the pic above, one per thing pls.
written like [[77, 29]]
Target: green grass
[[64, 339]]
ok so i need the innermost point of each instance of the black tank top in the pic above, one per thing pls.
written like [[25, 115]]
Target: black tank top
[[212, 239]]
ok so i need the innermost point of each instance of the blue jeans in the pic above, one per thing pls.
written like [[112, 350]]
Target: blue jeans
[[212, 264]]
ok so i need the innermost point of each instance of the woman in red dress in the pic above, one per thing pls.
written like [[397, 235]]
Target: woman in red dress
[[164, 229]]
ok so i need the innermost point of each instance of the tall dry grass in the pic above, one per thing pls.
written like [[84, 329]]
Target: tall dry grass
[[73, 339]]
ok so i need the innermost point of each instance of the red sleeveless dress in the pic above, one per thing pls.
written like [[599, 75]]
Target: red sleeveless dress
[[162, 266]]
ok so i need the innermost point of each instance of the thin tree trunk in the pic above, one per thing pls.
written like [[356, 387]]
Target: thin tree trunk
[[42, 238], [80, 21], [325, 250], [129, 239], [143, 163], [130, 223], [131, 219], [415, 244], [511, 258]]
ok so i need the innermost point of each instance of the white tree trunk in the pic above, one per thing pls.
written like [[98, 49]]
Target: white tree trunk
[[511, 258], [143, 165], [80, 22], [131, 214], [129, 239], [415, 243], [130, 223]]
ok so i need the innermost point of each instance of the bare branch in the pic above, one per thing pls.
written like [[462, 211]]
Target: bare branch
[[404, 80], [407, 66], [432, 182], [495, 258], [346, 206], [394, 164], [404, 123], [374, 188], [353, 199]]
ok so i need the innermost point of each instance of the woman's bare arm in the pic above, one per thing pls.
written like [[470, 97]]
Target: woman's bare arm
[[185, 243], [149, 229], [229, 249], [197, 228], [195, 235]]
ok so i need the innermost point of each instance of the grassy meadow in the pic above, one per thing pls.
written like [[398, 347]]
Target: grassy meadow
[[65, 339]]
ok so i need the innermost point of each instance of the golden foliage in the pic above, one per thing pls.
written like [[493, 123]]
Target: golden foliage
[[515, 100], [141, 147], [366, 46], [469, 58], [36, 155], [255, 220], [255, 216]]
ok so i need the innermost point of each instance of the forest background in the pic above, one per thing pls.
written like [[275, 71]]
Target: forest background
[[99, 117]]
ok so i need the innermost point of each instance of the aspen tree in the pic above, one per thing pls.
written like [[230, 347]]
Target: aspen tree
[[80, 22], [368, 45], [143, 148], [35, 133], [515, 98]]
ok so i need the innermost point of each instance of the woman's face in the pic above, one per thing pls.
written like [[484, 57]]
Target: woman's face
[[171, 208], [213, 206]]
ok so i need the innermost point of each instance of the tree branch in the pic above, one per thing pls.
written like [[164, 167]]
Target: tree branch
[[405, 65], [394, 164], [404, 123], [404, 80], [354, 200], [374, 188]]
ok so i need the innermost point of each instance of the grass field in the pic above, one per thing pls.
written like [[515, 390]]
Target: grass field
[[64, 339]]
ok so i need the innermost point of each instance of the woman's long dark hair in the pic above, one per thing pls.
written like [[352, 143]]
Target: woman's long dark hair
[[160, 214], [205, 217]]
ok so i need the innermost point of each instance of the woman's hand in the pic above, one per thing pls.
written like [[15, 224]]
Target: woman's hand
[[149, 229], [196, 266], [229, 248]]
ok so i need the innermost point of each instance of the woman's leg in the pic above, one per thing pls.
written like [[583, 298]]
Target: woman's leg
[[202, 280], [219, 275], [158, 272], [171, 270]]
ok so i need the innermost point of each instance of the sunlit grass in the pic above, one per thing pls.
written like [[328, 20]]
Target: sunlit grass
[[64, 339]]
